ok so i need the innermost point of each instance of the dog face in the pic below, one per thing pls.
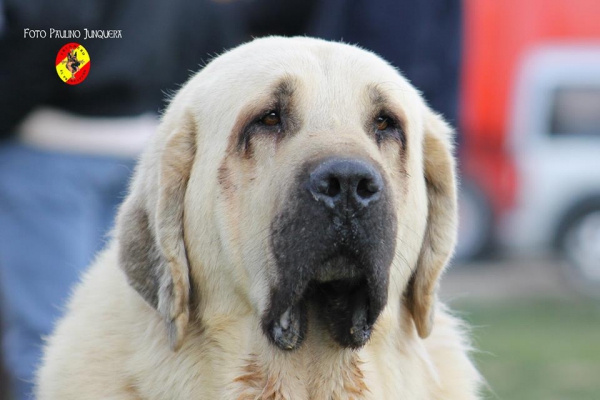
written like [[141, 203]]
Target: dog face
[[293, 177]]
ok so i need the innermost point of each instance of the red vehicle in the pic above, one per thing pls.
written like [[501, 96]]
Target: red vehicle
[[499, 35]]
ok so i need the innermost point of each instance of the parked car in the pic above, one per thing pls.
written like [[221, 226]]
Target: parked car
[[555, 144], [498, 37]]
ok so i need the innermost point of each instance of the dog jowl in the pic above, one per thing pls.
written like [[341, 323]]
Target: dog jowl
[[333, 244]]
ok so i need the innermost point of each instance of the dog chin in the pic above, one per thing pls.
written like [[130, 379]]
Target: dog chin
[[346, 303]]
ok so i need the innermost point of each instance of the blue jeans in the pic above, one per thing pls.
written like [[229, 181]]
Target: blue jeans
[[55, 212]]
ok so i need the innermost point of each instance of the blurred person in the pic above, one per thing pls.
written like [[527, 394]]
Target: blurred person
[[421, 38], [66, 152]]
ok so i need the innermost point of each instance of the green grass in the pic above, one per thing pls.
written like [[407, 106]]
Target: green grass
[[542, 349]]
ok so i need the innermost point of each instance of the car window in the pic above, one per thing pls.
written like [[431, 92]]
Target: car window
[[576, 111]]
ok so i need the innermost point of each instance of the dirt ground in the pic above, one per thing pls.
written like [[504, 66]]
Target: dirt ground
[[508, 277]]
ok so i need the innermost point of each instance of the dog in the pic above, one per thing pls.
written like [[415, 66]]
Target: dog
[[283, 238], [72, 63]]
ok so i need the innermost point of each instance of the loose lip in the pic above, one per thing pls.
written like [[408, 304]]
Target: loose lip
[[329, 261], [343, 306]]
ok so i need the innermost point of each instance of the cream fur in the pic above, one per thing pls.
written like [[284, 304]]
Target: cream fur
[[208, 213]]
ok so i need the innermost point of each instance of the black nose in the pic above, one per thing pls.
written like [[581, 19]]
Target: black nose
[[346, 184]]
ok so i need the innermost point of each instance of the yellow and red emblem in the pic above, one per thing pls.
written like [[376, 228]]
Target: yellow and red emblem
[[73, 63]]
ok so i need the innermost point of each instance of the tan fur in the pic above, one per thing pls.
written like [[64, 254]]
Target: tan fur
[[171, 309]]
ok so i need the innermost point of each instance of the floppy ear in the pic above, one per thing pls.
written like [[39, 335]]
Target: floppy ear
[[440, 233], [150, 227]]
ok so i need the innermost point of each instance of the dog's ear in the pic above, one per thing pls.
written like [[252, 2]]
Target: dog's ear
[[440, 233], [150, 226]]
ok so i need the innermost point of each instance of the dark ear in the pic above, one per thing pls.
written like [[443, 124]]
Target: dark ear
[[150, 227], [440, 234]]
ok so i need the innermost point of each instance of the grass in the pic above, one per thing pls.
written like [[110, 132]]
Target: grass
[[537, 349]]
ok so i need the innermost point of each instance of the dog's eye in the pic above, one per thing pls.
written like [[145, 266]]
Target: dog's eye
[[382, 123], [387, 127], [271, 118]]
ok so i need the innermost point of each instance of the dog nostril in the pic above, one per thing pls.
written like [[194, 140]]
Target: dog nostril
[[329, 186], [334, 188], [343, 184], [367, 188]]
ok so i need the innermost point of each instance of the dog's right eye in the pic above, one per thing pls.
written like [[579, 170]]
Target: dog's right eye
[[271, 118]]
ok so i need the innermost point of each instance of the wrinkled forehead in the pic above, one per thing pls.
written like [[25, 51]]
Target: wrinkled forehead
[[324, 74]]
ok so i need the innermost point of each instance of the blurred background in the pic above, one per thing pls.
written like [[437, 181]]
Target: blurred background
[[520, 80], [527, 274]]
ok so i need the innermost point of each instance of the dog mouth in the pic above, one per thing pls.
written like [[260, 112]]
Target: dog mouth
[[332, 247], [347, 307]]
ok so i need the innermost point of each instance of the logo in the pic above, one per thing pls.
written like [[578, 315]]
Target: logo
[[73, 63]]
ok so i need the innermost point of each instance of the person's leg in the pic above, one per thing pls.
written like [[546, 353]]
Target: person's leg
[[51, 220]]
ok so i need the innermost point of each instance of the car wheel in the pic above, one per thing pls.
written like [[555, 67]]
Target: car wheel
[[474, 223], [580, 244]]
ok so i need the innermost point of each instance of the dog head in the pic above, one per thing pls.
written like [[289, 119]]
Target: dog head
[[293, 174]]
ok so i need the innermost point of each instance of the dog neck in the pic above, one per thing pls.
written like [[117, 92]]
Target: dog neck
[[302, 375], [251, 367], [319, 369]]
